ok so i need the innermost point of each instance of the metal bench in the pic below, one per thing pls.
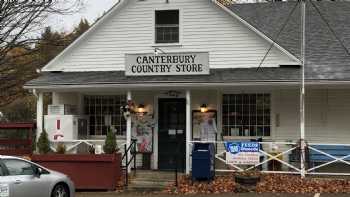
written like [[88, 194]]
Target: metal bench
[[323, 154], [327, 153]]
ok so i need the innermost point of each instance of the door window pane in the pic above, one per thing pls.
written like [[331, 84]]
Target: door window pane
[[18, 167]]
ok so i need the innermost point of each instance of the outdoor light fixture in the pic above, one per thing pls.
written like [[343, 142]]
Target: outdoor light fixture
[[204, 108], [157, 50], [141, 109]]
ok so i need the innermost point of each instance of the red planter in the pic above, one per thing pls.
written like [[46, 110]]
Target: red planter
[[86, 171]]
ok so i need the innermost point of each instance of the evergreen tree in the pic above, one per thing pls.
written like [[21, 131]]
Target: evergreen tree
[[110, 146], [43, 143], [81, 28], [50, 44]]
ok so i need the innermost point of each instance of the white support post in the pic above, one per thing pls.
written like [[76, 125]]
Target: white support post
[[188, 129], [302, 92], [39, 114], [128, 130]]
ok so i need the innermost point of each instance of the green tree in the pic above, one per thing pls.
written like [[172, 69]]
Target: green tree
[[20, 110], [50, 44], [19, 21], [43, 143], [81, 28], [110, 146]]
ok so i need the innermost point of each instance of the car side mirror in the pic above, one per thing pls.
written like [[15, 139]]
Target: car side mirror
[[38, 171]]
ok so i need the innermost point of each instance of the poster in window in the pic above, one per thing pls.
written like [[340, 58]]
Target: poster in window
[[143, 133], [204, 125]]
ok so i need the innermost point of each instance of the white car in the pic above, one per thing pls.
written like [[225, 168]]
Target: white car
[[22, 178]]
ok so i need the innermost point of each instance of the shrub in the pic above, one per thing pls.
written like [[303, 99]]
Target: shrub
[[43, 143], [61, 148], [110, 146]]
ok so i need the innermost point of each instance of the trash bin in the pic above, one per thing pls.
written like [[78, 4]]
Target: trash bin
[[203, 161]]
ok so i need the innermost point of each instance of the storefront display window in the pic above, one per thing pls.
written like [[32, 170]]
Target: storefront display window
[[246, 115], [104, 113]]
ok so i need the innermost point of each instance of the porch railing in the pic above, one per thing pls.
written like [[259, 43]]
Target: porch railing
[[72, 145], [339, 153], [127, 161], [283, 157]]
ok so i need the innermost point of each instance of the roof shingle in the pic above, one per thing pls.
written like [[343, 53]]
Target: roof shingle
[[325, 57]]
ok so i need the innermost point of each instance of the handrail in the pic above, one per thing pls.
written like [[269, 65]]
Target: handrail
[[177, 153], [127, 161]]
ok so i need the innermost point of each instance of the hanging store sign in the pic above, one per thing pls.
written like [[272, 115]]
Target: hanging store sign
[[167, 64], [242, 153]]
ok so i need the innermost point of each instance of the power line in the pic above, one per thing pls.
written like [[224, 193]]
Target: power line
[[331, 29], [278, 34]]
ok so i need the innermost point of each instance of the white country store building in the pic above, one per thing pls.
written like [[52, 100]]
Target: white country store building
[[172, 57]]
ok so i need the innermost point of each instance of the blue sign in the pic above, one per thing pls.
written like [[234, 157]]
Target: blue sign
[[239, 147]]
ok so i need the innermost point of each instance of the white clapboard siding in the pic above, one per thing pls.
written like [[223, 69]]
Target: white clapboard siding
[[204, 27], [327, 115]]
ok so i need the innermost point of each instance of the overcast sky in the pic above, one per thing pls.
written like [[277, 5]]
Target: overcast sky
[[92, 10]]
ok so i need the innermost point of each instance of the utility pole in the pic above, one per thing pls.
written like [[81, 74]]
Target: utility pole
[[302, 91]]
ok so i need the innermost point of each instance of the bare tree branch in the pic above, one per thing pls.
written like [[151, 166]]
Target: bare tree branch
[[20, 21]]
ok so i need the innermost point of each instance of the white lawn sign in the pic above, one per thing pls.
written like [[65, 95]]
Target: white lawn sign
[[4, 190], [242, 153]]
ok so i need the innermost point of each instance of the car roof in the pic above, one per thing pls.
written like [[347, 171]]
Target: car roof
[[9, 157]]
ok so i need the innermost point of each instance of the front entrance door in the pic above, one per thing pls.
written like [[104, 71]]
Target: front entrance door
[[171, 133]]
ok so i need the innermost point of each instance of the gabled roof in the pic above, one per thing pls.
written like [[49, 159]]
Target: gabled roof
[[325, 57], [121, 4]]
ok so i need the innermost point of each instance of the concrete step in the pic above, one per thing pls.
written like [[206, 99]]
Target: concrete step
[[151, 180], [148, 185]]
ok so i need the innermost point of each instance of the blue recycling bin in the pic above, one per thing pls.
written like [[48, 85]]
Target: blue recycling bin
[[203, 155]]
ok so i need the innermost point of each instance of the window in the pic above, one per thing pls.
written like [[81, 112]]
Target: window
[[2, 171], [246, 115], [167, 26], [18, 167], [104, 113]]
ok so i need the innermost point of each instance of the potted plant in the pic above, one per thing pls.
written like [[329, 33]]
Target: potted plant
[[43, 143], [61, 148], [110, 146], [248, 178], [104, 169]]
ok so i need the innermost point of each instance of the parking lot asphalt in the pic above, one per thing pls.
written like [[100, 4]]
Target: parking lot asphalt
[[132, 194]]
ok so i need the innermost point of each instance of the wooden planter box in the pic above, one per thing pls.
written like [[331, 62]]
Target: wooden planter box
[[86, 171]]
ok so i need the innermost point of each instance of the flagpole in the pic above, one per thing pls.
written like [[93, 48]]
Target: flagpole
[[302, 91]]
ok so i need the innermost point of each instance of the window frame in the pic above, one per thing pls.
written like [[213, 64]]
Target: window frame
[[272, 112], [121, 96], [154, 42]]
